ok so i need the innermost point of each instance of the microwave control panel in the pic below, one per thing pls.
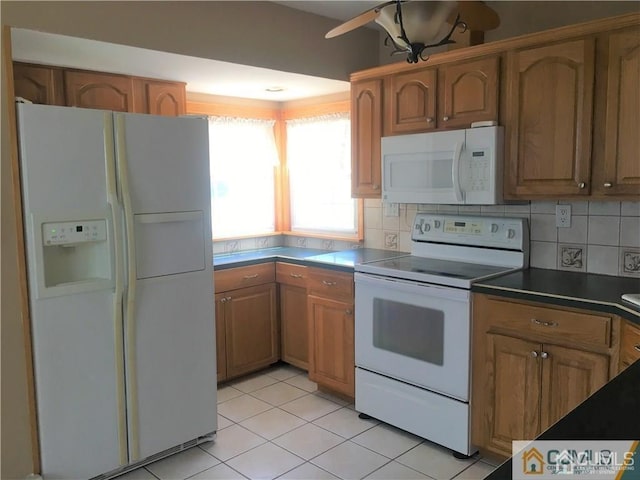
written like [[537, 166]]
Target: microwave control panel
[[500, 232]]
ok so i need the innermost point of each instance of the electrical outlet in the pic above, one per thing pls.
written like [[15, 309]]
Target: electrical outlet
[[391, 209], [563, 216]]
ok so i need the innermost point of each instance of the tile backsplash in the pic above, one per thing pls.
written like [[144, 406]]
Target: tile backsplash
[[604, 237], [254, 243]]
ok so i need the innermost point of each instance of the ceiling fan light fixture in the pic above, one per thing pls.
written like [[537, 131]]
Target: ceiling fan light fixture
[[413, 27]]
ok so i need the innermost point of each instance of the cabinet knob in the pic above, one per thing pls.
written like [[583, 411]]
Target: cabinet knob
[[637, 347], [348, 311], [582, 185], [375, 186], [429, 119], [222, 300], [607, 185], [534, 354], [445, 118], [544, 355]]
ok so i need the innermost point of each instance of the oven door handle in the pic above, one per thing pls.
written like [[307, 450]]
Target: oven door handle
[[363, 280]]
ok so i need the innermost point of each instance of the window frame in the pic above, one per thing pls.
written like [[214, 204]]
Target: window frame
[[244, 108]]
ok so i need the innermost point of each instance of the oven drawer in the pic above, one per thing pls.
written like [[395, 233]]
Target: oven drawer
[[551, 323], [329, 283], [240, 277], [291, 274]]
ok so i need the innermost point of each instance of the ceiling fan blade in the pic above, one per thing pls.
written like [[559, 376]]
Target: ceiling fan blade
[[355, 22], [477, 15]]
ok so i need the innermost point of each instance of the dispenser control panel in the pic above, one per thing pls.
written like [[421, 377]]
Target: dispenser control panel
[[62, 233]]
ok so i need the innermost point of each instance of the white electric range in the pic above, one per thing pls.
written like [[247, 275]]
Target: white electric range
[[413, 323]]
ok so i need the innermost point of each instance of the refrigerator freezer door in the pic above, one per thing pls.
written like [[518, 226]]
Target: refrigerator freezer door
[[64, 156], [169, 327]]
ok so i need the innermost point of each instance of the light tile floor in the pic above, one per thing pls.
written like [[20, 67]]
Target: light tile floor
[[275, 424]]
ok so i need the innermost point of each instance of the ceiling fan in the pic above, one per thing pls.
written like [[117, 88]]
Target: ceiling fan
[[424, 22]]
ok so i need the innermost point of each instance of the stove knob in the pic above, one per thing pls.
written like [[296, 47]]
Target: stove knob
[[427, 227], [494, 227], [511, 233], [436, 223]]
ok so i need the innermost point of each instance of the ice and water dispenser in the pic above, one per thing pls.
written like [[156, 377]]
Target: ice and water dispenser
[[75, 254]]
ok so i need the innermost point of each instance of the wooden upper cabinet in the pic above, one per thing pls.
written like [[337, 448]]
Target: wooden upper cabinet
[[468, 92], [366, 131], [549, 119], [410, 102], [99, 90], [38, 84], [164, 98], [617, 155]]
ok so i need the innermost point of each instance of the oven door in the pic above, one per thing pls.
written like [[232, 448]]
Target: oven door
[[414, 332]]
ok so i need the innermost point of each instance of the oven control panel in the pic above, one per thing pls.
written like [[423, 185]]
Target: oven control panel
[[499, 232]]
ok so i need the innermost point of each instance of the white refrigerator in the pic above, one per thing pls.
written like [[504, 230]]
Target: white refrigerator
[[118, 242]]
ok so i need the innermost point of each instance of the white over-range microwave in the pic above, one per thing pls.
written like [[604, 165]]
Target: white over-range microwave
[[451, 167]]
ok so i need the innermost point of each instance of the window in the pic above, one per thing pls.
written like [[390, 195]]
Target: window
[[319, 162], [243, 155]]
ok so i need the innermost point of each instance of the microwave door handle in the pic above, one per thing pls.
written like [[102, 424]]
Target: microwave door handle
[[455, 172]]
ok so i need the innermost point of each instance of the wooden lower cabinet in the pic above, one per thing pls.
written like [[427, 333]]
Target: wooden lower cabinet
[[629, 345], [331, 340], [294, 326], [523, 380], [247, 330]]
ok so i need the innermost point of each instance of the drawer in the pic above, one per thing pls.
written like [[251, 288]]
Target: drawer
[[551, 323], [630, 345], [330, 284], [240, 277], [291, 274]]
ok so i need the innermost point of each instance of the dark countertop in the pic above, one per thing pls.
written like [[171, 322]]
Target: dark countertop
[[570, 289], [612, 413], [343, 260]]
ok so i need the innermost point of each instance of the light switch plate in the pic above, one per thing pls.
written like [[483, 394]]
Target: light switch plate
[[563, 216], [391, 209]]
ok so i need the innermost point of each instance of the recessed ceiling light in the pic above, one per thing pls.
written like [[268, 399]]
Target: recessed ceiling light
[[274, 89]]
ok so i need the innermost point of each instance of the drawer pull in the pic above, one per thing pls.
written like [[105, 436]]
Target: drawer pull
[[543, 324], [329, 284], [544, 355], [249, 277], [296, 275], [534, 354], [637, 347]]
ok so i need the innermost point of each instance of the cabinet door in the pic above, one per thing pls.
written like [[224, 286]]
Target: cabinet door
[[221, 347], [468, 92], [38, 84], [366, 132], [549, 120], [165, 98], [251, 329], [99, 90], [331, 340], [513, 391], [617, 165], [568, 377], [410, 102], [294, 326]]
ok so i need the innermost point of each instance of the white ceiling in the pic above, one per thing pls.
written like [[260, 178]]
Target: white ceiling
[[201, 75]]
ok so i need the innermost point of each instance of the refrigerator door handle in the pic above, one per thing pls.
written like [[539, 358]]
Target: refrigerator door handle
[[130, 327], [114, 207]]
